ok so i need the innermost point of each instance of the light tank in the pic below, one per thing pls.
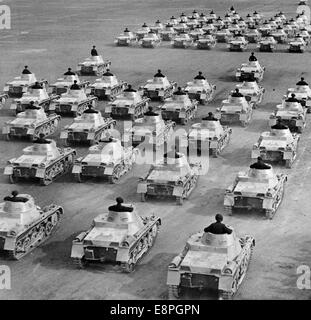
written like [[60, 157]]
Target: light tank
[[211, 16], [303, 33], [289, 30], [211, 134], [108, 87], [120, 238], [181, 27], [74, 102], [20, 85], [265, 29], [209, 28], [250, 70], [249, 20], [151, 129], [43, 160], [130, 104], [223, 35], [39, 96], [126, 39], [63, 84], [217, 262], [277, 145], [182, 40], [279, 35], [252, 90], [267, 44], [180, 108], [200, 89], [89, 127], [150, 40], [171, 177], [159, 88], [157, 27], [108, 160], [302, 93], [93, 65], [257, 17], [236, 109], [297, 45], [203, 18], [237, 44], [206, 41], [144, 30], [168, 33], [192, 22], [234, 28], [259, 189], [24, 225], [292, 115], [195, 33], [31, 123]]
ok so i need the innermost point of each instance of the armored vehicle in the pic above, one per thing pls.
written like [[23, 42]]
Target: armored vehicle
[[24, 225], [206, 41], [151, 129], [252, 90], [209, 28], [200, 89], [237, 44], [150, 40], [192, 22], [297, 45], [120, 238], [217, 262], [168, 33], [303, 33], [182, 40], [302, 93], [195, 33], [108, 160], [129, 104], [211, 134], [211, 16], [3, 98], [292, 115], [108, 87], [249, 71], [267, 44], [279, 35], [223, 35], [171, 177], [126, 39], [179, 108], [159, 88], [144, 30], [259, 189], [236, 109], [73, 102], [252, 35], [265, 29], [277, 145], [181, 27], [31, 123], [157, 27], [89, 127], [42, 160], [257, 17], [93, 65]]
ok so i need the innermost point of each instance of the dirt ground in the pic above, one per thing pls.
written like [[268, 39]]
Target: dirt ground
[[50, 36]]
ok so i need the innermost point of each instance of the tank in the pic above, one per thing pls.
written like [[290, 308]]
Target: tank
[[202, 18], [237, 44], [302, 94], [25, 226], [128, 105], [87, 128], [20, 85], [125, 39], [182, 40], [63, 84], [297, 45], [265, 29], [250, 70], [43, 161], [304, 34], [140, 33], [267, 44], [151, 129], [192, 22], [31, 123], [201, 90], [209, 28], [73, 102], [292, 115], [150, 40], [249, 20], [171, 177], [259, 189], [218, 23], [180, 108], [109, 160], [211, 16], [93, 65], [257, 17], [234, 28], [277, 145], [236, 109], [108, 87], [206, 41], [3, 98], [209, 134], [223, 35], [157, 27], [279, 35], [40, 97], [252, 90], [217, 262], [120, 238], [159, 88], [196, 33], [289, 30], [168, 33]]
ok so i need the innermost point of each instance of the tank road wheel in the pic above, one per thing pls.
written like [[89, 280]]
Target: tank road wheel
[[173, 292], [143, 197], [80, 263], [128, 267], [41, 233], [228, 210], [46, 181], [183, 121], [48, 228], [13, 179], [26, 244], [179, 201]]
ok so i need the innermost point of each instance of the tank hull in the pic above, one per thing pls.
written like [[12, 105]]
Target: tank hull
[[73, 109], [161, 94], [94, 70], [120, 112], [108, 93]]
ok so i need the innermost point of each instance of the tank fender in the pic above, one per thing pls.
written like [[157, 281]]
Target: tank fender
[[229, 200], [8, 170], [287, 155], [9, 243], [142, 187], [225, 283], [40, 173], [64, 135], [91, 136], [30, 131], [77, 250]]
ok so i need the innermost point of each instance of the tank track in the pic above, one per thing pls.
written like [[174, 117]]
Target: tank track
[[140, 109], [190, 114], [222, 143], [37, 233], [48, 127], [58, 168], [276, 203], [189, 185], [249, 118]]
